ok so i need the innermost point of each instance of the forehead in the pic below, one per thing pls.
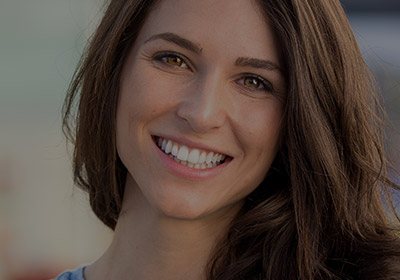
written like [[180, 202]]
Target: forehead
[[217, 26]]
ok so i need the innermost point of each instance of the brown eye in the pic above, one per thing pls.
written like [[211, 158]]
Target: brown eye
[[172, 60], [256, 83], [252, 82]]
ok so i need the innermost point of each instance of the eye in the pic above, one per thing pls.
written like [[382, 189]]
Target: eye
[[256, 83], [172, 59]]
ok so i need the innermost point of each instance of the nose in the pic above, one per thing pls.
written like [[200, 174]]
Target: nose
[[203, 106]]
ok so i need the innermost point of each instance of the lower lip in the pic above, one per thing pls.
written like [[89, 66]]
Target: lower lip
[[187, 172]]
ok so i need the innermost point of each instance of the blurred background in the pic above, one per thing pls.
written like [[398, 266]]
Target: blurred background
[[46, 225]]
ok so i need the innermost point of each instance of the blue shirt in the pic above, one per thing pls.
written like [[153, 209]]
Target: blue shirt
[[76, 274]]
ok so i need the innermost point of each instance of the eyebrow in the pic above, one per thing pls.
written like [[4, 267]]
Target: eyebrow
[[257, 63], [177, 40], [193, 47]]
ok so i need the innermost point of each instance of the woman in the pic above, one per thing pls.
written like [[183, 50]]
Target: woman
[[232, 140]]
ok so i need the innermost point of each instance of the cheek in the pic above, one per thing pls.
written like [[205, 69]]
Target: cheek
[[136, 98], [143, 97], [259, 136], [260, 130]]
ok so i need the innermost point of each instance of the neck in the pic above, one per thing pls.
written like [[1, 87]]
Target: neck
[[148, 244]]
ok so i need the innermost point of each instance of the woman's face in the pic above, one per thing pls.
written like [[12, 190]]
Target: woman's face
[[204, 78]]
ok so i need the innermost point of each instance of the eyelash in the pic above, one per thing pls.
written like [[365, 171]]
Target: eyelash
[[160, 56], [266, 85]]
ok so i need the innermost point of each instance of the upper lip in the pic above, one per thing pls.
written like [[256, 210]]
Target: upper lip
[[191, 144]]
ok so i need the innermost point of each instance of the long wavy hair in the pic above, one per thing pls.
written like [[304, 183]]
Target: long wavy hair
[[324, 210]]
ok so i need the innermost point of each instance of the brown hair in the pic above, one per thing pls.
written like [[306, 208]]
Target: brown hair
[[319, 213]]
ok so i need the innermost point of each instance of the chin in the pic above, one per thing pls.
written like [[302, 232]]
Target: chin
[[195, 208], [183, 210]]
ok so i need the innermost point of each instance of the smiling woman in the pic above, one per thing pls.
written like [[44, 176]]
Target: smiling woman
[[232, 140]]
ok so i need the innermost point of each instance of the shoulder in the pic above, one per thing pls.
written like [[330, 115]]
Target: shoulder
[[76, 274]]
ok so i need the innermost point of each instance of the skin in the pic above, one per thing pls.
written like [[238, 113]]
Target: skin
[[169, 224]]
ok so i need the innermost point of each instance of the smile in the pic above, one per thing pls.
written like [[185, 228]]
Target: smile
[[190, 157]]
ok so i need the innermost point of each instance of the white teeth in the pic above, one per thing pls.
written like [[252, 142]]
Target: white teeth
[[203, 157], [194, 156], [209, 157], [175, 149], [168, 148], [183, 153], [215, 158]]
